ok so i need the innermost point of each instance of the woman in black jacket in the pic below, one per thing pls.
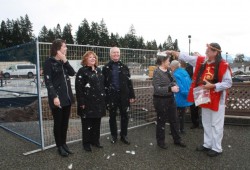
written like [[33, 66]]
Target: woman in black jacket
[[90, 95], [56, 75]]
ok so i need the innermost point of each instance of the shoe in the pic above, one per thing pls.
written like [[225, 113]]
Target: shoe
[[194, 126], [62, 152], [124, 139], [181, 144], [66, 148], [213, 153], [113, 139], [202, 148], [162, 146], [97, 145], [87, 147]]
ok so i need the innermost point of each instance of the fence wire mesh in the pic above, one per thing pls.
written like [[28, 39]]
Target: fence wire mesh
[[138, 61], [19, 93]]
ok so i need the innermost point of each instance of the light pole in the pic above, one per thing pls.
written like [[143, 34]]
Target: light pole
[[226, 56], [189, 38]]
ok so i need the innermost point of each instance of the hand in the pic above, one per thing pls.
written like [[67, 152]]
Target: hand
[[57, 102], [173, 53], [169, 52], [208, 85], [175, 89], [131, 100], [61, 56]]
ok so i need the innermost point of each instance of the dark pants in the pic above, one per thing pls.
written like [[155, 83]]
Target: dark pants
[[61, 121], [181, 118], [115, 104], [91, 130], [166, 108], [194, 110]]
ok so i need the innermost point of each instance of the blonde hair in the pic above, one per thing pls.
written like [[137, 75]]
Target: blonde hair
[[85, 58]]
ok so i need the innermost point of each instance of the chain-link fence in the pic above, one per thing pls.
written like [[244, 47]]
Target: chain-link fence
[[24, 103], [19, 93]]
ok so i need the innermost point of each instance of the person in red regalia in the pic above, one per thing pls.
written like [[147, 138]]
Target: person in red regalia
[[213, 73]]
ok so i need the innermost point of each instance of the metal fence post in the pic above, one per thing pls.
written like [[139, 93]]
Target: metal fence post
[[39, 93]]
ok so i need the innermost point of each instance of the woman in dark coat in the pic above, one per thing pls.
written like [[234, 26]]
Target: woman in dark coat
[[90, 95], [56, 75]]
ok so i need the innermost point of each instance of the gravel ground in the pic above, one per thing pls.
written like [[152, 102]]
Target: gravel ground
[[142, 154]]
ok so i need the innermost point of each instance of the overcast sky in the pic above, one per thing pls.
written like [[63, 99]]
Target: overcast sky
[[223, 21]]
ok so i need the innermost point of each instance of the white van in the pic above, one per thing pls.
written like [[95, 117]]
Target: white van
[[28, 70]]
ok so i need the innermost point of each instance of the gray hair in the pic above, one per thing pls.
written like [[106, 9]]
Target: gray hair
[[175, 64], [111, 49]]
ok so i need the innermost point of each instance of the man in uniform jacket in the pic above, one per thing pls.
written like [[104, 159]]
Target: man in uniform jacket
[[119, 93]]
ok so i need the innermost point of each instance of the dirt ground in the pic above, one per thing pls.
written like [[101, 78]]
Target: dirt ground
[[19, 114]]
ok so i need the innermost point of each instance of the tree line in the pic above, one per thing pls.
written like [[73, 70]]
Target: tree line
[[19, 31]]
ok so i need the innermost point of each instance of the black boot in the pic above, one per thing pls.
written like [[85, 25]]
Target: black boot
[[65, 147], [62, 152], [87, 147], [125, 140]]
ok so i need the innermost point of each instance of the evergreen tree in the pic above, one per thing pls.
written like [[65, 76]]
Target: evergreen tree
[[164, 46], [131, 37], [67, 34], [94, 34], [149, 45], [16, 34], [43, 35], [114, 40], [58, 32], [26, 29], [140, 43], [51, 37], [132, 30], [154, 45], [160, 47], [3, 35], [104, 34], [239, 58], [9, 25], [83, 32], [124, 42]]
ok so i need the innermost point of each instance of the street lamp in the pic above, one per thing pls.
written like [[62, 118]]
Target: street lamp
[[189, 38], [226, 56]]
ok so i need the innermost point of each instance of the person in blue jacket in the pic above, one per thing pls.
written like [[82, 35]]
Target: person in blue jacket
[[183, 81]]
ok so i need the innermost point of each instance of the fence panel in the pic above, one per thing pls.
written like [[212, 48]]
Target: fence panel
[[138, 62], [19, 93], [238, 101]]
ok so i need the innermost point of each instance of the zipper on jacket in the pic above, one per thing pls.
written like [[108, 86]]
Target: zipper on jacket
[[66, 84]]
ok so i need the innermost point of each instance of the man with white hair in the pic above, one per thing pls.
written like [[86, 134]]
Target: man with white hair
[[119, 94]]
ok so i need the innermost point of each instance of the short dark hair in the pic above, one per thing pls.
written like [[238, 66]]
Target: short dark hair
[[160, 59], [56, 45]]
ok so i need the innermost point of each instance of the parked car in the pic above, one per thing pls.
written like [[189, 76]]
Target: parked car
[[236, 79], [28, 70]]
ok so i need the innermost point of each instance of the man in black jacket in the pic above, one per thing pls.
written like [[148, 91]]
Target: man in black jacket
[[119, 93]]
